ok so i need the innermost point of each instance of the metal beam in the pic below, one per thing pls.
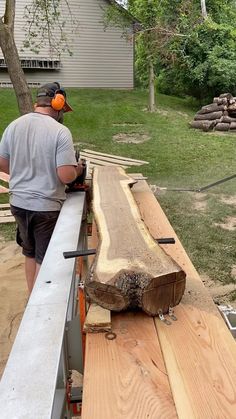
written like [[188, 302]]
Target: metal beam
[[30, 380]]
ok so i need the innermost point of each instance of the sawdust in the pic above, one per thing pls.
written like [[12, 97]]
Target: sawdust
[[13, 297], [131, 138], [229, 224], [229, 200], [200, 203]]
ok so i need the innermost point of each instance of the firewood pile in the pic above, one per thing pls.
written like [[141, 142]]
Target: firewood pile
[[218, 116]]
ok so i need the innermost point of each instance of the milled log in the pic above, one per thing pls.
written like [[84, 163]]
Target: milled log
[[208, 116], [204, 125], [211, 108], [222, 127], [130, 269]]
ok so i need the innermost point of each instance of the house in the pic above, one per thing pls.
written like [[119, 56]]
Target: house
[[100, 58]]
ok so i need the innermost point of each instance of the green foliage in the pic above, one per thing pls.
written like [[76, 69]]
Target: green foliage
[[201, 63], [205, 62], [49, 22]]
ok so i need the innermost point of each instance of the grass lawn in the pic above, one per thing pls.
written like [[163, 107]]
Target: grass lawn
[[178, 156]]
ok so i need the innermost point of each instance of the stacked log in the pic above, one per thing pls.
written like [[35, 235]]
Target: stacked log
[[218, 116]]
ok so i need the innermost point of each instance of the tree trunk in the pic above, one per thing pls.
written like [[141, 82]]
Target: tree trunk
[[15, 71], [130, 269], [152, 106], [203, 8]]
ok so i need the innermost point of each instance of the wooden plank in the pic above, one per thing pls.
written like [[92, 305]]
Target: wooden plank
[[98, 162], [130, 269], [198, 349], [4, 176], [125, 378], [114, 156], [4, 220], [3, 189], [108, 159], [4, 206], [4, 213], [98, 319]]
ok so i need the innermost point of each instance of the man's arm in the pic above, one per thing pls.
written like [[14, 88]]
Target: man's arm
[[4, 165], [67, 174]]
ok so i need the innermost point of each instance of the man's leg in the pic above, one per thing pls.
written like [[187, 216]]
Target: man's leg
[[31, 272]]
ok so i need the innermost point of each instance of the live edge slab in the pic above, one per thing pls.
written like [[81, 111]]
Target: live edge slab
[[151, 370]]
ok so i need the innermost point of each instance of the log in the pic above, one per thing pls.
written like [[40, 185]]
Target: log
[[130, 269], [204, 125], [232, 108], [208, 116], [232, 125], [211, 108], [220, 101], [222, 126], [228, 119]]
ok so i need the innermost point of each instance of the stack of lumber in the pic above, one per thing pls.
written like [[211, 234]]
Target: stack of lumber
[[130, 269], [5, 214], [152, 370], [219, 116], [97, 159]]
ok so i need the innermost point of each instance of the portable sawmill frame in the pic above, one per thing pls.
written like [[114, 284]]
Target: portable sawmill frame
[[36, 382]]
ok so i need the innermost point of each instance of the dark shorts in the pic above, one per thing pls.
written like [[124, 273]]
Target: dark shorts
[[34, 231]]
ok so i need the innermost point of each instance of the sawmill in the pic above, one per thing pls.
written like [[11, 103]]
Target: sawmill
[[119, 323]]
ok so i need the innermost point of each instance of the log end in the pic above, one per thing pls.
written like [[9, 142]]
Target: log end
[[107, 296], [163, 293]]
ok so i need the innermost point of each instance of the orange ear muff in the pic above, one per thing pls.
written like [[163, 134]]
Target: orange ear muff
[[58, 102]]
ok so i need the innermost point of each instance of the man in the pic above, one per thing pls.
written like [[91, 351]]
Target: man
[[37, 151]]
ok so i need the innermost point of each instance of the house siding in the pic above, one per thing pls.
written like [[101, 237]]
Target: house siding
[[101, 59]]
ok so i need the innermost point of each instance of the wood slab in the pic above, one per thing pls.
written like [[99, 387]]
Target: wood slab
[[130, 268], [4, 176], [125, 378], [98, 319], [199, 350]]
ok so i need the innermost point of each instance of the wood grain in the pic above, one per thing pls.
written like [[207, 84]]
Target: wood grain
[[198, 349], [130, 269], [125, 378]]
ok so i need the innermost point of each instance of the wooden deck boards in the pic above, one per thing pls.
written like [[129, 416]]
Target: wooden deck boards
[[125, 378]]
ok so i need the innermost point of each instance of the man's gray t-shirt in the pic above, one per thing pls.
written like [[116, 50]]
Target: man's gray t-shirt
[[36, 145]]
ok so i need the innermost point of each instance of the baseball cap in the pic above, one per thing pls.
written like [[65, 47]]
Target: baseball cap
[[50, 89]]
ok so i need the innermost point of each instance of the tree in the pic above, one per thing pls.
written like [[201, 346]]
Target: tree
[[203, 8], [44, 23], [10, 53]]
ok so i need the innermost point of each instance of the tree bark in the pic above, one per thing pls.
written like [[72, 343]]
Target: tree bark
[[10, 53], [208, 116], [204, 125], [222, 127], [211, 108], [130, 269], [152, 106], [203, 8]]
